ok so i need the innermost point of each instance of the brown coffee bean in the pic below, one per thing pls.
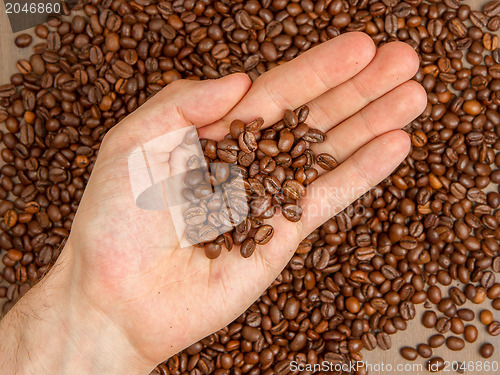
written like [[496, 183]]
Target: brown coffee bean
[[269, 147], [10, 218], [435, 364], [255, 125], [470, 333], [384, 341], [429, 319], [290, 118], [424, 350], [487, 350], [369, 341], [24, 67], [437, 340], [434, 294], [407, 310], [315, 136], [212, 250], [408, 353], [286, 141], [455, 343], [326, 161], [247, 142], [466, 314], [247, 248], [264, 234], [494, 328], [122, 69], [496, 304], [492, 8], [294, 189], [23, 40], [457, 296], [443, 325], [486, 317]]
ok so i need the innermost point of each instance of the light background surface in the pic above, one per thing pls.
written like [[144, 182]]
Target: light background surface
[[415, 334]]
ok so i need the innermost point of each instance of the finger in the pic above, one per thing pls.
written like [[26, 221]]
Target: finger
[[300, 80], [392, 111], [394, 64], [334, 191], [184, 103]]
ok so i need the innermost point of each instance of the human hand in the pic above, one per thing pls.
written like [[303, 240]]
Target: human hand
[[124, 263]]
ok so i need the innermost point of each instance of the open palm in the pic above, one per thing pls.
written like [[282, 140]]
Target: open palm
[[164, 297]]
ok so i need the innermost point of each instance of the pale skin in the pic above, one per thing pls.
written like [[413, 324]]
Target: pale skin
[[122, 297]]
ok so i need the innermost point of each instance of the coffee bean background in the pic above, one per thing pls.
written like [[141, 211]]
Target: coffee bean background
[[292, 314]]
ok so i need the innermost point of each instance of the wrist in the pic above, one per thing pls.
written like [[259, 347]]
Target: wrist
[[54, 330]]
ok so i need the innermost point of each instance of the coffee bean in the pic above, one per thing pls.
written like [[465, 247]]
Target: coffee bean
[[290, 118], [408, 353], [457, 296], [286, 141], [424, 350], [264, 234], [435, 341], [195, 216], [494, 328], [122, 69], [434, 294], [247, 248], [247, 142], [429, 319], [23, 40], [470, 333], [479, 19], [212, 250], [208, 233], [487, 350], [407, 310], [10, 218], [496, 304], [326, 161], [384, 341], [315, 136], [455, 343], [435, 364], [294, 189], [492, 8], [443, 325], [291, 212]]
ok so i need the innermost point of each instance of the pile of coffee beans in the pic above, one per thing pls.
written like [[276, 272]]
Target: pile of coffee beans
[[261, 172], [355, 280]]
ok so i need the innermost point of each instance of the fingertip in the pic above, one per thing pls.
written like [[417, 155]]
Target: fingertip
[[413, 98], [401, 144], [367, 48], [362, 47], [406, 56], [236, 81], [419, 95]]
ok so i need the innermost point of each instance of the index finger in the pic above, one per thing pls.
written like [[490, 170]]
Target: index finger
[[299, 81]]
